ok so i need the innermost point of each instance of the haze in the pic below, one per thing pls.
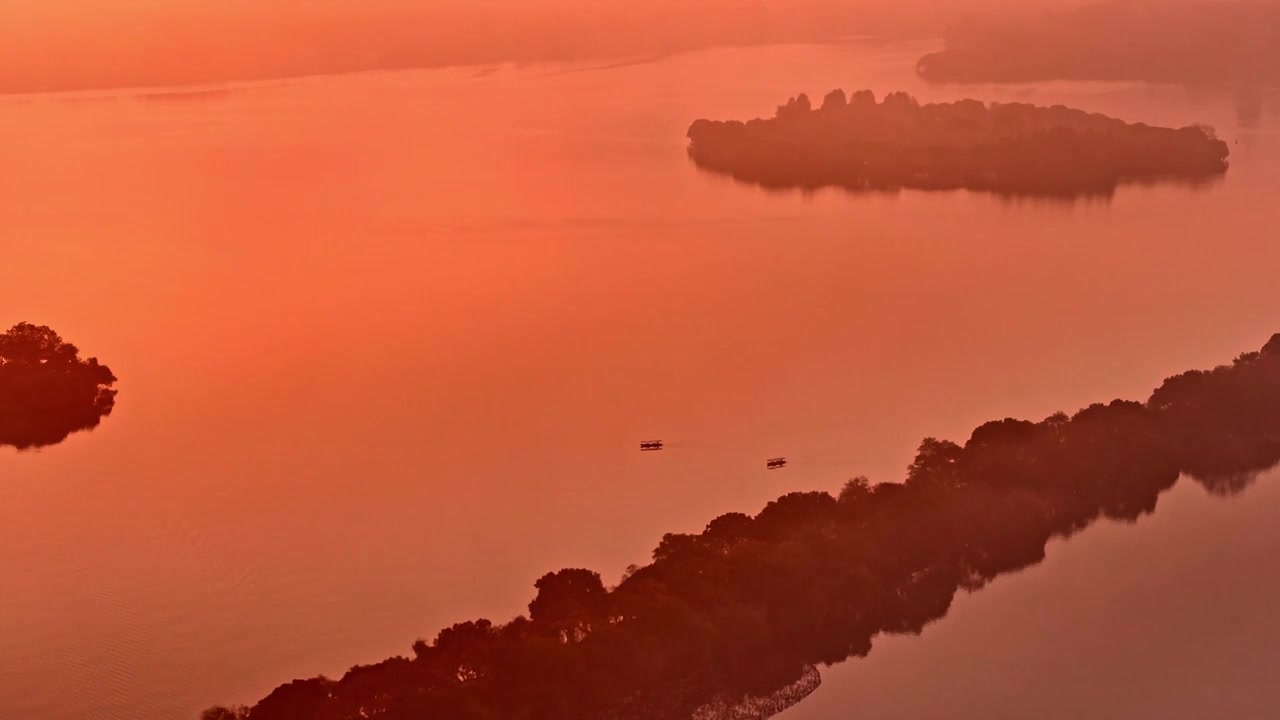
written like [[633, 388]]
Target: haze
[[331, 334], [85, 44]]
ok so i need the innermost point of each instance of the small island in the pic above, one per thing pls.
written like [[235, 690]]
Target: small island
[[1223, 42], [47, 391], [1008, 148]]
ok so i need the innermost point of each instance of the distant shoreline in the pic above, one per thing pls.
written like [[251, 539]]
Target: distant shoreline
[[1221, 43], [588, 61]]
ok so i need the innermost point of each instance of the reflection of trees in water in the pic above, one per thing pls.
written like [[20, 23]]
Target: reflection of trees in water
[[47, 391], [1011, 149], [762, 707], [1229, 484], [730, 623]]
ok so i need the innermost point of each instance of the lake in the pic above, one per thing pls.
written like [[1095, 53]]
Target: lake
[[387, 343]]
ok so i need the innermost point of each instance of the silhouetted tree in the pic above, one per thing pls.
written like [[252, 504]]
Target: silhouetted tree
[[834, 101], [571, 601], [1016, 149], [855, 491], [46, 391], [935, 463]]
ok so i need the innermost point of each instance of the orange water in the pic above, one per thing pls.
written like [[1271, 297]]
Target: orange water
[[387, 343]]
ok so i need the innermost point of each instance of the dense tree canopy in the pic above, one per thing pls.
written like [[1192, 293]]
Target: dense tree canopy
[[732, 622], [46, 391], [1014, 149]]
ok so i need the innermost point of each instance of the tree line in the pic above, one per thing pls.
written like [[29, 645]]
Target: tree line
[[731, 622], [1008, 148]]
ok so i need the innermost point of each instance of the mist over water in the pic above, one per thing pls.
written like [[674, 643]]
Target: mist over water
[[380, 331], [59, 45]]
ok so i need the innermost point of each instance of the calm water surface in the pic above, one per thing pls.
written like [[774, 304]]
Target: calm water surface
[[387, 343]]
